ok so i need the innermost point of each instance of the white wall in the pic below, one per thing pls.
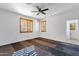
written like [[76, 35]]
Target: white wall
[[56, 26], [9, 29]]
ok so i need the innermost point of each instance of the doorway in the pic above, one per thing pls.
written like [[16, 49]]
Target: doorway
[[72, 29]]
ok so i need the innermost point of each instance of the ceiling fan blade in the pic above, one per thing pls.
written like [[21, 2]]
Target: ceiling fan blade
[[34, 11], [37, 13], [43, 13], [39, 9], [45, 9]]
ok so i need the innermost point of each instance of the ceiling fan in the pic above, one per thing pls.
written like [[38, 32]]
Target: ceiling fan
[[40, 10]]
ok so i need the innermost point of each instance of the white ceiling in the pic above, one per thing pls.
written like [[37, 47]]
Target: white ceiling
[[19, 8], [26, 8]]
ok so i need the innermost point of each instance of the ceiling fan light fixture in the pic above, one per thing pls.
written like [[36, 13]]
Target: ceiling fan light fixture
[[41, 10]]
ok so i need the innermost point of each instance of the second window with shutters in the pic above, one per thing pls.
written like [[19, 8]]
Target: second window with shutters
[[43, 26]]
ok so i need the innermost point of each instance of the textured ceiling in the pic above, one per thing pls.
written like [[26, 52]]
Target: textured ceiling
[[42, 5], [27, 8]]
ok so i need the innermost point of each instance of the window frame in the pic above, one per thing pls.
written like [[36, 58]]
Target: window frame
[[26, 24], [43, 25]]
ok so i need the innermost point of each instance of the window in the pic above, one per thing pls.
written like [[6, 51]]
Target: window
[[26, 25], [30, 25], [73, 26], [43, 26]]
